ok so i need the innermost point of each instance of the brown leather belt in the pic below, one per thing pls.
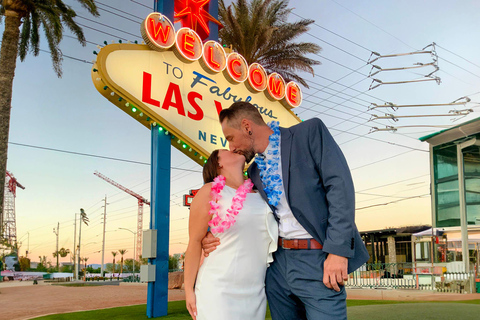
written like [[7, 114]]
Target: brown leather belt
[[299, 244]]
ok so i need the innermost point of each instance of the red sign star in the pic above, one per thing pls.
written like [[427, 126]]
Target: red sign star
[[192, 15]]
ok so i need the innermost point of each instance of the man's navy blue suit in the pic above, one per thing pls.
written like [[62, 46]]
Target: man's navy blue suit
[[319, 190]]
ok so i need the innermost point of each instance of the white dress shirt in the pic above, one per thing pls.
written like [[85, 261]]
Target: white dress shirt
[[288, 226]]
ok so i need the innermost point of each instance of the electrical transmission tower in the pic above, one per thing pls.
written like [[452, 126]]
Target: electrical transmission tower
[[141, 201], [9, 226]]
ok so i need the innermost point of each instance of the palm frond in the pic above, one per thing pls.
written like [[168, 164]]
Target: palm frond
[[53, 45], [89, 5], [35, 37], [52, 16], [259, 30], [67, 18], [24, 43]]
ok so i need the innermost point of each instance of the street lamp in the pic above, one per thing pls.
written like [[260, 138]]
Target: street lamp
[[134, 251]]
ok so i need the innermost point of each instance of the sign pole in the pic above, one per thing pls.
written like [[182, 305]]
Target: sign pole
[[166, 7], [157, 299], [213, 11]]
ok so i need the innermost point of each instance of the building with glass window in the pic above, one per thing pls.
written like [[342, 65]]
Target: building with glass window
[[455, 187]]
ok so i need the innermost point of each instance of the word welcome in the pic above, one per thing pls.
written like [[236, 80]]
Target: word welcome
[[159, 33]]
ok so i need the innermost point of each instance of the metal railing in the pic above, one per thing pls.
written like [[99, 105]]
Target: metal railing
[[402, 276], [382, 275]]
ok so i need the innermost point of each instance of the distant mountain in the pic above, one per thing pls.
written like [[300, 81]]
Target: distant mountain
[[95, 265]]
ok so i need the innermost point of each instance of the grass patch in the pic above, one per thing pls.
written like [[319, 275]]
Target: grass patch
[[76, 284], [366, 309]]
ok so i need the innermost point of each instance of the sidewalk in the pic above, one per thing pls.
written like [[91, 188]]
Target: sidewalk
[[25, 300], [407, 295]]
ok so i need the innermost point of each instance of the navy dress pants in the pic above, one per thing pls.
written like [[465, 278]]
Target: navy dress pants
[[295, 289]]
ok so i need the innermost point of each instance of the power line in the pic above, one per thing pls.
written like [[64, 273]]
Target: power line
[[124, 12], [94, 155], [141, 4], [366, 20], [387, 203], [392, 183], [342, 65], [369, 164], [94, 29], [456, 65], [476, 65], [316, 24], [68, 36], [126, 18], [106, 25], [383, 196], [344, 51], [340, 92]]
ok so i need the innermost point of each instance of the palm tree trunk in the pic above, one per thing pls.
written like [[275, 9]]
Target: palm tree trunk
[[8, 61]]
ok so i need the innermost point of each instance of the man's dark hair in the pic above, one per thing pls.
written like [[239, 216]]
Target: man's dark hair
[[241, 110]]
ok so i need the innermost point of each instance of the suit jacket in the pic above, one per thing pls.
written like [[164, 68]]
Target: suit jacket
[[319, 189]]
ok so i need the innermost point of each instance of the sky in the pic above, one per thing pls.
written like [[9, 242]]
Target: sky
[[390, 170]]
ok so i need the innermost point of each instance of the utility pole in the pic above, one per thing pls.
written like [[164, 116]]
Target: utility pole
[[84, 219], [141, 200], [104, 226], [75, 276], [57, 233]]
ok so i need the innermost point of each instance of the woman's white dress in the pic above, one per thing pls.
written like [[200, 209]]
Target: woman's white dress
[[231, 281]]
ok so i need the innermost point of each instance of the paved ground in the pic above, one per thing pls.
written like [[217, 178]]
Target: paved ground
[[23, 300]]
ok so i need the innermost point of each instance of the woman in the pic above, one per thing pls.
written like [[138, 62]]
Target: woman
[[230, 282]]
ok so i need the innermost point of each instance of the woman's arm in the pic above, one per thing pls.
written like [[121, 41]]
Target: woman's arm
[[197, 228]]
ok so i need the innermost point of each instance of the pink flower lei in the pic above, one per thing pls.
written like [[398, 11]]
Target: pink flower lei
[[217, 224]]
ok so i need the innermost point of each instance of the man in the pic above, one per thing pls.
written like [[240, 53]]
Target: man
[[301, 172]]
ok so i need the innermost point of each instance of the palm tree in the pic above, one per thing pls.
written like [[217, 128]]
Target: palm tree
[[52, 16], [122, 252], [114, 253], [259, 31], [85, 260], [63, 252]]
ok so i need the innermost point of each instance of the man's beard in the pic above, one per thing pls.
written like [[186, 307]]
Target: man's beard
[[249, 154]]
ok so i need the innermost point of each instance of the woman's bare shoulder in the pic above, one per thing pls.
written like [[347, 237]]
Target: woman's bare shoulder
[[203, 194]]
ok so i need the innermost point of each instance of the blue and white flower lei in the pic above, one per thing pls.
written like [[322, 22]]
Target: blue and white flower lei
[[271, 179]]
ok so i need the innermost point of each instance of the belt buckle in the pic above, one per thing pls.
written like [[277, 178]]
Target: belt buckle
[[283, 244]]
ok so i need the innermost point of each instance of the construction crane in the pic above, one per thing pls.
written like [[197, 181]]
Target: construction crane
[[141, 201], [9, 224]]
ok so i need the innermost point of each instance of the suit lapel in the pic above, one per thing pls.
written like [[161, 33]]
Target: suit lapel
[[286, 146], [254, 174]]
